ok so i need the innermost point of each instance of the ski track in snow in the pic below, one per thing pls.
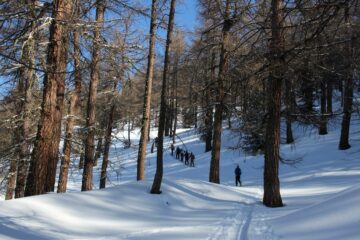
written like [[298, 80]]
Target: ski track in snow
[[234, 226]]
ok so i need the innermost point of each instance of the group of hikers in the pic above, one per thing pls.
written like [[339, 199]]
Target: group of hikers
[[182, 155], [189, 158]]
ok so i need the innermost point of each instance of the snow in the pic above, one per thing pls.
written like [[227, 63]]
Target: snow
[[321, 195]]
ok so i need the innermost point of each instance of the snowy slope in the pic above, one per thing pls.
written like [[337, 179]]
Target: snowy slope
[[321, 194]]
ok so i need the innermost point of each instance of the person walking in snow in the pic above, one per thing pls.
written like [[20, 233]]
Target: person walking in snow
[[237, 175], [172, 147], [182, 155], [177, 152], [192, 158], [186, 158], [156, 140]]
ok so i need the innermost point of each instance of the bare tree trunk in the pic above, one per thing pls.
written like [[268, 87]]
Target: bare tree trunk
[[209, 108], [105, 161], [28, 76], [45, 152], [11, 178], [289, 109], [175, 97], [99, 149], [323, 117], [348, 86], [329, 94], [59, 109], [81, 160], [308, 87], [129, 132], [272, 197], [145, 125], [155, 189], [214, 175], [74, 106], [91, 105]]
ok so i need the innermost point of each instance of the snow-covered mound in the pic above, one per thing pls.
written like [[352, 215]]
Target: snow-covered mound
[[321, 195]]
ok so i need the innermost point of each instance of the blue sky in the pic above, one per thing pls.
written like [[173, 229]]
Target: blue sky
[[186, 14]]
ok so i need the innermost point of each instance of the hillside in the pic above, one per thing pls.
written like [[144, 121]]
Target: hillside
[[321, 195]]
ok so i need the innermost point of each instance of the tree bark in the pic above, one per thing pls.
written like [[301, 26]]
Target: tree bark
[[41, 176], [145, 125], [329, 95], [175, 103], [11, 178], [214, 175], [323, 117], [108, 132], [289, 110], [28, 78], [74, 106], [272, 197], [348, 86], [91, 105], [156, 186], [99, 148], [209, 108]]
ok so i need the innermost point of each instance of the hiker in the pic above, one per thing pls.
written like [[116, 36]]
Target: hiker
[[156, 140], [186, 158], [237, 175], [172, 147], [182, 155], [177, 152], [192, 158]]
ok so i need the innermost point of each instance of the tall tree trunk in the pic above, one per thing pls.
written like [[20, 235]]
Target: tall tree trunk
[[11, 178], [74, 106], [129, 132], [329, 94], [28, 76], [289, 109], [272, 197], [145, 125], [99, 148], [307, 86], [91, 105], [156, 186], [45, 152], [175, 103], [59, 109], [214, 175], [209, 108], [323, 117], [348, 86], [108, 132]]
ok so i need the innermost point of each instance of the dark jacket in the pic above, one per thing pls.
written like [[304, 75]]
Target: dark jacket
[[237, 171]]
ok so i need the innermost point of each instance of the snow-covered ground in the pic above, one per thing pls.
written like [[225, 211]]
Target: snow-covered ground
[[321, 195]]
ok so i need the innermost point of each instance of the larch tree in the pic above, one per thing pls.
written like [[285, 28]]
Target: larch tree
[[214, 174], [45, 153], [156, 186], [73, 111], [145, 125], [91, 104], [272, 197], [348, 85]]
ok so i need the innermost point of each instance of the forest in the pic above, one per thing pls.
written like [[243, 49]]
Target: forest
[[75, 72]]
